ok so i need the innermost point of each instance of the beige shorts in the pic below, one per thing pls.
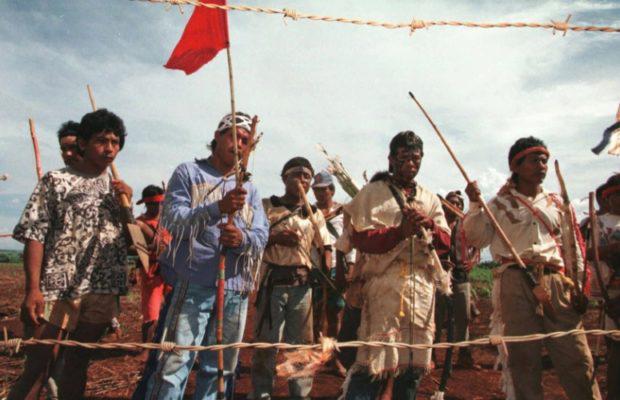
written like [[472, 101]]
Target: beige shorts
[[90, 308]]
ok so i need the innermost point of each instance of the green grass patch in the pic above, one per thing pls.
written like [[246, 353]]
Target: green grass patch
[[481, 278], [10, 256]]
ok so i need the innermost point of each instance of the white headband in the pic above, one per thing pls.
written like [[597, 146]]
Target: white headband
[[298, 168], [243, 121]]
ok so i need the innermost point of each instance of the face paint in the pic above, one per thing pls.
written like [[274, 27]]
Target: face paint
[[406, 164]]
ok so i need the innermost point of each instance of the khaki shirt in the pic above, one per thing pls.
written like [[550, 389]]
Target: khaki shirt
[[300, 255], [527, 233]]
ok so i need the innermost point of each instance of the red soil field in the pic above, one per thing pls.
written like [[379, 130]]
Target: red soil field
[[113, 374]]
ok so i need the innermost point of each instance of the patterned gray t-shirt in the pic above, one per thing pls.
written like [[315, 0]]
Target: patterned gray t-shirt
[[77, 218]]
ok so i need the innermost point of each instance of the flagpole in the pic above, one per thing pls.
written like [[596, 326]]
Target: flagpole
[[221, 278]]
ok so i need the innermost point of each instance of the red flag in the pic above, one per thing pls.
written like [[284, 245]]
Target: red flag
[[204, 36]]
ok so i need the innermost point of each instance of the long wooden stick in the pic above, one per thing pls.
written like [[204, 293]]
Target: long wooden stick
[[308, 208], [221, 277], [233, 111], [35, 145], [572, 241], [538, 290], [484, 205], [91, 97], [321, 249], [452, 207]]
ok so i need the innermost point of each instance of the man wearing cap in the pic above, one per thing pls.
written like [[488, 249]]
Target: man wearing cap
[[533, 220], [151, 282], [200, 194], [395, 225], [324, 189], [460, 260], [284, 301]]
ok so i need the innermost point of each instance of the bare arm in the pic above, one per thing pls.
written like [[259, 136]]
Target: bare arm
[[32, 307]]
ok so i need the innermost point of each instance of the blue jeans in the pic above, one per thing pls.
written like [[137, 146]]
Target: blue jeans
[[191, 320], [366, 387]]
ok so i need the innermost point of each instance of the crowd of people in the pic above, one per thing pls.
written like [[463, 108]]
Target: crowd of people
[[391, 265]]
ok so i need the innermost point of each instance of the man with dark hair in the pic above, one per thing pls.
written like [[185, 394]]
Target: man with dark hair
[[460, 260], [199, 196], [609, 253], [74, 258], [602, 205], [284, 302], [67, 139], [533, 220], [396, 224], [102, 120]]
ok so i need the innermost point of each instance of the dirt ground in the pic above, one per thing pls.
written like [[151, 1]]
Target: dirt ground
[[114, 373]]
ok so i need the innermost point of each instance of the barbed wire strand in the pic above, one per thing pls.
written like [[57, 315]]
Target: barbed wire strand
[[561, 26], [324, 344]]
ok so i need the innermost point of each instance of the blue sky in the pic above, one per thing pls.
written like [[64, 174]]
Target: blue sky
[[312, 82]]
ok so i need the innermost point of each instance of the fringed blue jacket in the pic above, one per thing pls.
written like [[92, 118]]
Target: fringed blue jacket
[[191, 215]]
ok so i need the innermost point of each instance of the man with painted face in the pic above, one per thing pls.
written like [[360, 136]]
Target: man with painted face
[[200, 195], [533, 220], [284, 302], [395, 223], [75, 257]]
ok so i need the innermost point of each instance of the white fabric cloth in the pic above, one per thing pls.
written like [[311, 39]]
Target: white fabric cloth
[[399, 290]]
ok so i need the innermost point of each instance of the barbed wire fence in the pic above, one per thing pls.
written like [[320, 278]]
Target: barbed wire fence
[[325, 344], [412, 26]]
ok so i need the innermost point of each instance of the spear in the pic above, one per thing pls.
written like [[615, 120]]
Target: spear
[[35, 145], [135, 233], [597, 271], [538, 289]]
